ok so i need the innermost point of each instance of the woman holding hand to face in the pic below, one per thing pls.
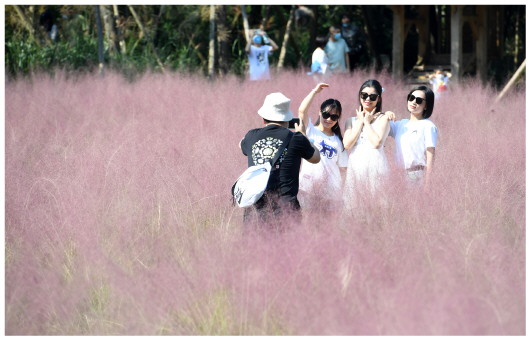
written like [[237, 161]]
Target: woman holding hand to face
[[365, 135]]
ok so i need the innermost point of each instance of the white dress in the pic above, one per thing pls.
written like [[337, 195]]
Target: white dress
[[367, 169]]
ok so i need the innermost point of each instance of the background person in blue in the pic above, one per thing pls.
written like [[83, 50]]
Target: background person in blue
[[337, 52], [258, 55]]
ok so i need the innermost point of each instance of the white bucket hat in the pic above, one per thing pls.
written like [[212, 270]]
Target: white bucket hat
[[276, 108]]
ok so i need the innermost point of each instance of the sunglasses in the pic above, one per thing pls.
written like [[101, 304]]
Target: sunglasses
[[419, 100], [326, 115], [373, 96]]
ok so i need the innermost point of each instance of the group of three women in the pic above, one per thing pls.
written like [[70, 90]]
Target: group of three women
[[364, 137]]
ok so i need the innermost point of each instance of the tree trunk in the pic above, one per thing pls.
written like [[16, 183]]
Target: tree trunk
[[288, 28], [100, 39], [211, 49], [149, 41], [157, 20], [245, 23], [265, 19], [312, 32], [398, 40], [119, 34], [223, 40], [367, 15], [516, 43], [110, 32], [512, 81], [26, 23]]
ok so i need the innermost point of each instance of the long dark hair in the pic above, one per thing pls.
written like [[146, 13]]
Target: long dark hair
[[429, 97], [332, 104], [378, 88]]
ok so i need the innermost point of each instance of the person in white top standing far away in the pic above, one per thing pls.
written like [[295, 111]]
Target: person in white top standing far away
[[258, 55], [319, 60]]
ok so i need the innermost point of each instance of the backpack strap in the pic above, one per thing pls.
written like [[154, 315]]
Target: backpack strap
[[278, 153]]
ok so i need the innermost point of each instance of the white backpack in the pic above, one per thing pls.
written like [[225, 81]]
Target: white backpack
[[251, 185]]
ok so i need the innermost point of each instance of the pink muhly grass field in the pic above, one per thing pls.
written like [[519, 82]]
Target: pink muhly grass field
[[119, 221]]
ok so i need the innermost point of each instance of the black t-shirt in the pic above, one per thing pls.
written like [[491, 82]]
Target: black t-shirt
[[260, 145]]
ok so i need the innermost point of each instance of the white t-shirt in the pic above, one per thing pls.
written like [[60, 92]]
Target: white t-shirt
[[258, 60], [324, 178], [412, 140], [319, 61], [335, 51]]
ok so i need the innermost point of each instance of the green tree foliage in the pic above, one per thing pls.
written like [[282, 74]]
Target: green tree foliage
[[175, 37]]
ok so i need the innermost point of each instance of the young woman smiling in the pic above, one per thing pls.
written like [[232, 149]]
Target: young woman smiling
[[321, 183], [365, 135], [416, 137]]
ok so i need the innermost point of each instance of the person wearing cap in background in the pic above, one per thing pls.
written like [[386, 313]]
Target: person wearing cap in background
[[258, 55], [260, 146]]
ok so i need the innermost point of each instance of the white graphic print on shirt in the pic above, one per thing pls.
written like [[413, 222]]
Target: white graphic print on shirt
[[264, 149]]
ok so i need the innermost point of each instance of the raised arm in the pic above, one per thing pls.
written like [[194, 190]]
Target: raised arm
[[272, 42], [273, 45], [352, 129], [247, 48], [306, 103]]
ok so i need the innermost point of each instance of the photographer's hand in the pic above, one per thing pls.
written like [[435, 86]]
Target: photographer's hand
[[300, 127]]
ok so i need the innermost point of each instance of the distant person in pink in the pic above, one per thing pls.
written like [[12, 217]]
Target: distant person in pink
[[416, 137], [258, 55]]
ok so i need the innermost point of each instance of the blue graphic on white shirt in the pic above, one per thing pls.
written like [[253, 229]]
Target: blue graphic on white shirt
[[327, 150]]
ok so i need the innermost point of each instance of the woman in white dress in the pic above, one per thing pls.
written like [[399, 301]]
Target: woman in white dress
[[365, 135], [321, 183]]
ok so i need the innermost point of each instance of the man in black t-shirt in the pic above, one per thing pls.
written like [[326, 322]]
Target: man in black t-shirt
[[260, 145]]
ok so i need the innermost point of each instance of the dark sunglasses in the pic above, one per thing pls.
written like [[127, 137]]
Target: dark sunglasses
[[326, 115], [419, 100], [373, 96]]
